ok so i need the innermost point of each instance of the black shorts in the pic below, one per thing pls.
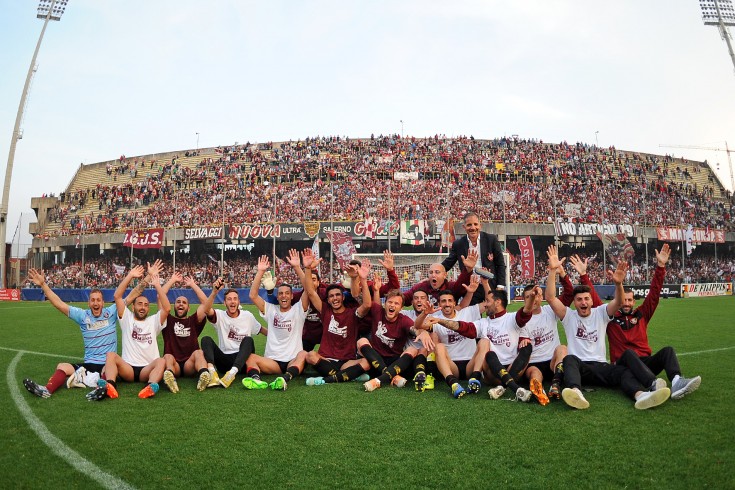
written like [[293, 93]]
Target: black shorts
[[90, 366], [181, 367], [462, 366], [335, 364], [545, 368], [136, 373], [282, 365]]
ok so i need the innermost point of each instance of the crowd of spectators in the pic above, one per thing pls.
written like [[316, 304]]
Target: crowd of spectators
[[240, 267], [346, 179]]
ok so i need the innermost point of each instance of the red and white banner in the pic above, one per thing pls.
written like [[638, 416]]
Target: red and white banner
[[528, 261], [708, 289], [342, 247], [370, 227], [152, 238], [9, 294], [699, 235]]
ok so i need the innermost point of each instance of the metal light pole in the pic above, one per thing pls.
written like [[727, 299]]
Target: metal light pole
[[597, 142], [401, 128], [197, 141], [331, 240], [48, 10], [713, 14]]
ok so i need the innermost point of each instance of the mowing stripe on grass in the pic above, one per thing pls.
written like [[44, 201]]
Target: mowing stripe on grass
[[56, 445], [21, 351], [705, 351]]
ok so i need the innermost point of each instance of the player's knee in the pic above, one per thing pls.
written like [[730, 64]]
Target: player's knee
[[312, 357], [362, 342], [112, 356]]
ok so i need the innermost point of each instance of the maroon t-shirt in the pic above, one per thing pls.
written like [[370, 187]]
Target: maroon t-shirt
[[181, 336], [388, 338], [313, 323], [339, 333]]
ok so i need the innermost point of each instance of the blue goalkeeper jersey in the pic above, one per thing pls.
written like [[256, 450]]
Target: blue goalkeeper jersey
[[99, 333]]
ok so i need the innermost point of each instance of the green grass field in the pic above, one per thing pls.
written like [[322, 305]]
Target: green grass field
[[338, 436]]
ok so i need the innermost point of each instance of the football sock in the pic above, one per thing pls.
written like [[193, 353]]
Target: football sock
[[372, 356], [451, 379], [291, 373], [346, 374], [325, 368], [521, 361], [558, 374], [419, 363], [499, 371], [56, 380], [396, 368], [203, 370], [477, 375], [253, 373]]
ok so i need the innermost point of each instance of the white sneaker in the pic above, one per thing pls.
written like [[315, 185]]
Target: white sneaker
[[658, 384], [523, 395], [496, 392], [575, 399], [680, 386], [650, 399]]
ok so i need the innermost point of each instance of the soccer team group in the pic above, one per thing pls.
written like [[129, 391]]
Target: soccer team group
[[365, 334]]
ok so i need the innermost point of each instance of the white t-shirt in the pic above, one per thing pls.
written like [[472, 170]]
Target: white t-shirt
[[139, 338], [231, 331], [284, 331], [503, 333], [544, 334], [586, 336], [459, 347], [411, 342]]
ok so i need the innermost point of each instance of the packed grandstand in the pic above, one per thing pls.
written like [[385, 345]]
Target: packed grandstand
[[518, 187]]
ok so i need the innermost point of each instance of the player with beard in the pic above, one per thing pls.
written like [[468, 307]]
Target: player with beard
[[336, 360], [98, 325], [437, 281], [585, 331], [140, 360], [235, 329], [387, 350], [181, 335], [421, 380], [627, 334], [453, 334], [283, 353]]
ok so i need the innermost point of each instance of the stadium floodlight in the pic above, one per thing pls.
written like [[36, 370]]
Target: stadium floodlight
[[52, 10], [720, 13]]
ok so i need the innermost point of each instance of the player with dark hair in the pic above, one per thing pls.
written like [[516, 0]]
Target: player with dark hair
[[586, 361], [336, 360], [283, 353], [140, 359], [235, 329], [181, 335], [627, 334]]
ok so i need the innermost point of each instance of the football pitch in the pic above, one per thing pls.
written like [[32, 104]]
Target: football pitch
[[338, 436]]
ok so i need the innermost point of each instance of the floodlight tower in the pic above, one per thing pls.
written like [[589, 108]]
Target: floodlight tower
[[720, 13], [47, 10]]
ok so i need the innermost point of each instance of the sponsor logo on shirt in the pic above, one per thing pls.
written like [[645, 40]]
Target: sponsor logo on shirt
[[380, 333], [583, 334], [453, 338], [541, 337], [139, 336], [334, 328], [181, 331], [282, 324], [96, 325], [235, 335], [498, 338]]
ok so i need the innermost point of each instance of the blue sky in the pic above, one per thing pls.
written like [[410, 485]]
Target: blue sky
[[140, 77]]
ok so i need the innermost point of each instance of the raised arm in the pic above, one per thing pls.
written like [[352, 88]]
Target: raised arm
[[263, 265], [138, 290], [469, 292], [648, 308], [617, 277], [581, 267], [39, 280], [294, 261], [393, 281], [363, 271], [163, 301], [175, 278], [310, 262], [135, 273], [550, 294], [205, 302]]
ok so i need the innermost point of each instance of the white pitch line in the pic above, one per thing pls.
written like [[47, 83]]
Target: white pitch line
[[22, 351], [56, 445], [705, 351]]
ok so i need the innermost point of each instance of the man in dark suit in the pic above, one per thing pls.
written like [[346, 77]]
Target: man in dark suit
[[488, 248]]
